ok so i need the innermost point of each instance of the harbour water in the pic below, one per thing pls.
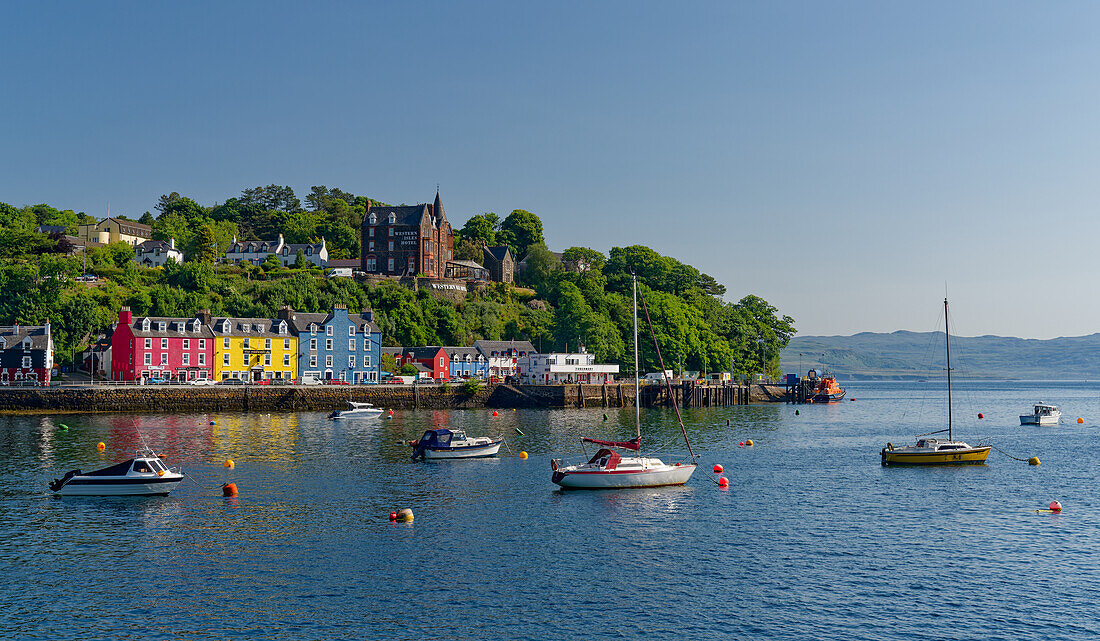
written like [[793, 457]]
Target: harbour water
[[813, 539]]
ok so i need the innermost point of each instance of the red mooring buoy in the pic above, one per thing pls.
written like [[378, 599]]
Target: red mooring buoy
[[717, 469]]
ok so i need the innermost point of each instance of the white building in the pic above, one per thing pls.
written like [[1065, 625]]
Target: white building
[[547, 369], [154, 253], [502, 356], [257, 251]]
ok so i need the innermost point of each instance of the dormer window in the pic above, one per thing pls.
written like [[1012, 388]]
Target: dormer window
[[26, 343], [195, 326], [282, 328], [226, 326], [313, 328], [309, 250], [373, 218], [246, 327], [286, 251], [145, 325], [181, 326], [3, 343], [161, 326], [393, 218]]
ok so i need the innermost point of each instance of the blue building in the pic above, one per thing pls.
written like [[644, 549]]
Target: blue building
[[467, 362], [340, 346]]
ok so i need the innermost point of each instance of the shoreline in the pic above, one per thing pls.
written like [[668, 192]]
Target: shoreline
[[144, 399]]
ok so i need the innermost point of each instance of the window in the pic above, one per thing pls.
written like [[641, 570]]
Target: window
[[186, 343], [267, 343], [441, 361], [328, 331], [27, 361], [328, 361], [202, 358], [370, 244], [164, 343], [313, 361], [186, 358], [202, 343], [225, 343], [247, 343], [148, 358], [313, 344], [427, 246], [373, 220], [313, 329], [161, 326], [366, 360], [390, 266], [393, 219], [164, 358], [267, 359], [370, 232], [148, 343], [391, 245], [371, 264], [351, 330], [145, 325], [286, 360], [351, 361], [328, 344], [247, 327], [286, 343], [225, 359], [351, 344], [412, 264]]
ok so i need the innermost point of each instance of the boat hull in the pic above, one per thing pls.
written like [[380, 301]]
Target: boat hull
[[476, 451], [972, 456], [356, 414], [1028, 419], [828, 398], [615, 479], [119, 487]]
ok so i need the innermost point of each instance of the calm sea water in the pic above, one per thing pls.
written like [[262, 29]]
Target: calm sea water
[[813, 539]]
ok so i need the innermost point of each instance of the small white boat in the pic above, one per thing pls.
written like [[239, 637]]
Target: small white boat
[[143, 475], [608, 469], [357, 410], [451, 444], [1042, 414]]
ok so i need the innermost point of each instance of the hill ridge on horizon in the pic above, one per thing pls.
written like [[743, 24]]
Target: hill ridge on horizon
[[910, 354]]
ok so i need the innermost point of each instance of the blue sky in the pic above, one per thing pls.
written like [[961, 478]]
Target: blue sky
[[843, 160]]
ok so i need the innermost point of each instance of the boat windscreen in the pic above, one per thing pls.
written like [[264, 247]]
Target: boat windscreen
[[115, 470]]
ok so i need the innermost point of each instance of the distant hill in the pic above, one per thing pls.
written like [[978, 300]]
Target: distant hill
[[907, 355]]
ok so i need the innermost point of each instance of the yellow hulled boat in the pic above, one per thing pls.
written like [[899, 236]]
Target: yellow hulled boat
[[933, 451]]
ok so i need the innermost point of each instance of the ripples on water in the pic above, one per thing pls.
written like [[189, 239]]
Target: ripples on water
[[814, 539]]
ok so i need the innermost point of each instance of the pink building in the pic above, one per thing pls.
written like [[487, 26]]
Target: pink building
[[153, 347]]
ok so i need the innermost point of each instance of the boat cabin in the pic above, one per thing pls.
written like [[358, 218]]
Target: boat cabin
[[441, 438], [1042, 409], [606, 459], [941, 446]]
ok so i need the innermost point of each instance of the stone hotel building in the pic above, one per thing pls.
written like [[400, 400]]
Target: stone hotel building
[[412, 240]]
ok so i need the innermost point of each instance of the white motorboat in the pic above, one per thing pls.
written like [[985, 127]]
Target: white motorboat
[[1043, 414], [610, 470], [357, 410], [143, 475], [445, 443]]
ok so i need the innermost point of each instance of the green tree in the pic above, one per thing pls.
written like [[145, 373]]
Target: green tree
[[300, 260], [389, 363], [481, 229], [205, 245], [520, 230], [408, 369]]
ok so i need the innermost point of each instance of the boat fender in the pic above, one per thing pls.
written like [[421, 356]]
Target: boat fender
[[890, 446], [553, 465]]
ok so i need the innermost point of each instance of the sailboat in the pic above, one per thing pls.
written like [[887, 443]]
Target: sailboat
[[933, 451], [608, 469]]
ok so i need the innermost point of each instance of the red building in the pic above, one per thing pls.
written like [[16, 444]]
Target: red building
[[26, 354], [154, 347], [434, 359]]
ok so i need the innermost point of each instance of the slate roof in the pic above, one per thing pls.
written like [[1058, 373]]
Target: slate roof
[[15, 334], [150, 246], [51, 229], [500, 347], [170, 328], [405, 214], [265, 327], [132, 223], [498, 252], [293, 248], [299, 322], [460, 353], [472, 264], [354, 263], [393, 351], [422, 353], [253, 246]]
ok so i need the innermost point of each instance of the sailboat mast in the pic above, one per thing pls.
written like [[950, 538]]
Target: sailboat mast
[[637, 398], [947, 341]]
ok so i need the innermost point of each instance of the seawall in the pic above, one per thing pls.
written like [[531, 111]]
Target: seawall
[[319, 398]]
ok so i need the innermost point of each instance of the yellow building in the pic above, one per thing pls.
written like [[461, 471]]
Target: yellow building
[[253, 349], [114, 230]]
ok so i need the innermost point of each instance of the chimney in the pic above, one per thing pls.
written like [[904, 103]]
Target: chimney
[[204, 316], [172, 243], [285, 313], [125, 316], [367, 314]]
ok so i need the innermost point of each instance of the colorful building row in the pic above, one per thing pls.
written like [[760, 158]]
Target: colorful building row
[[292, 346]]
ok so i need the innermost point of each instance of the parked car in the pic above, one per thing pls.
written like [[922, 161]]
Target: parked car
[[281, 381], [336, 381], [160, 381], [203, 381], [231, 381], [311, 380], [262, 381]]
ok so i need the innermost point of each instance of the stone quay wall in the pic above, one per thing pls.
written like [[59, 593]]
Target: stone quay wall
[[137, 398]]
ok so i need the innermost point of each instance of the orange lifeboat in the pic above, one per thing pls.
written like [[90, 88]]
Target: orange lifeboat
[[827, 390]]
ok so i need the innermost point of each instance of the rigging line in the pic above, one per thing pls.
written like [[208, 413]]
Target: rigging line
[[668, 383]]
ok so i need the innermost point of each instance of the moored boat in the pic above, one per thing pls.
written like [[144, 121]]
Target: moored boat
[[609, 469], [357, 410], [1042, 414], [827, 390], [934, 451], [144, 475], [445, 443]]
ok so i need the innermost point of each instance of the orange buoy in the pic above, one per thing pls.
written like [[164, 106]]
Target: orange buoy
[[980, 415], [723, 482], [228, 463], [405, 515], [717, 469], [100, 446], [229, 489], [1055, 506], [393, 516], [1080, 420], [748, 443]]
